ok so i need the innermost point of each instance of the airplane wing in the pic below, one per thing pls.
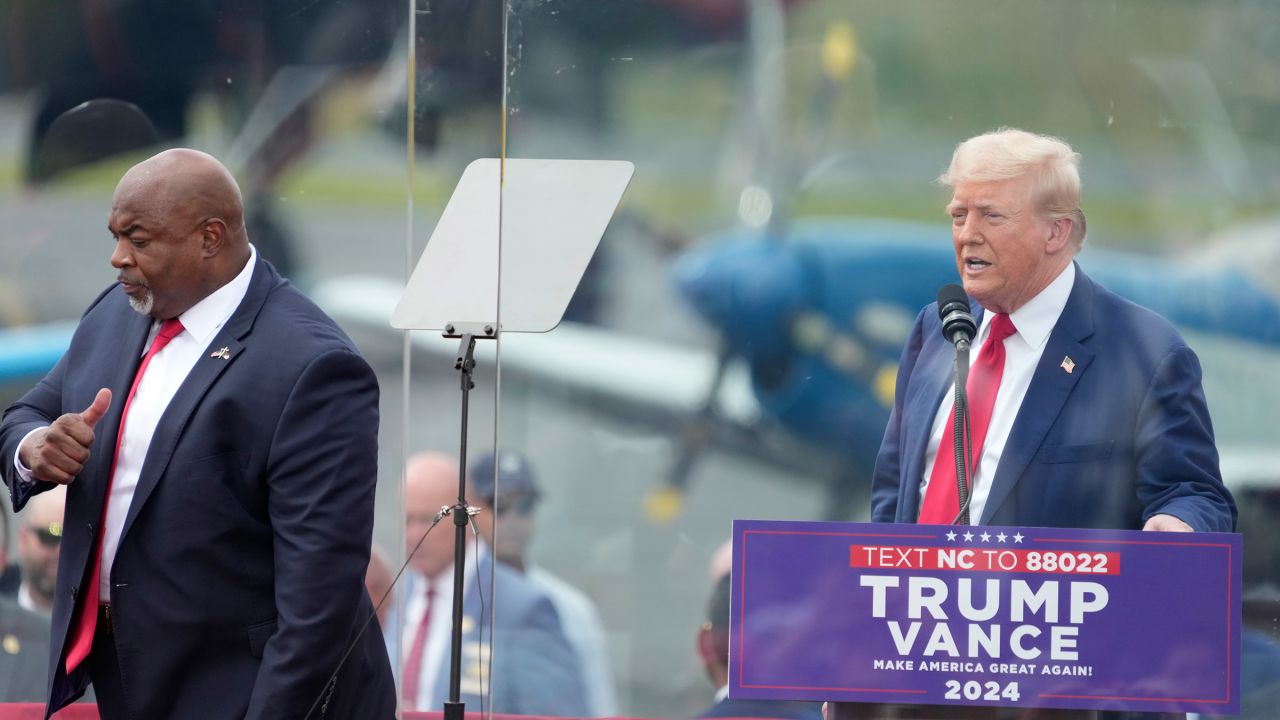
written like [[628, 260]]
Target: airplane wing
[[658, 386], [631, 370], [27, 353]]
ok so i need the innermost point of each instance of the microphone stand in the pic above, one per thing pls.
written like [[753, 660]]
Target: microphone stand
[[468, 333], [960, 421]]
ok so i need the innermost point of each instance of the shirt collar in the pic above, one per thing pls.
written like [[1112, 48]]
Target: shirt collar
[[206, 317], [1035, 319], [25, 600]]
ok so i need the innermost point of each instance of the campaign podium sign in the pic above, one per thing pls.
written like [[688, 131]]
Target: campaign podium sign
[[978, 615]]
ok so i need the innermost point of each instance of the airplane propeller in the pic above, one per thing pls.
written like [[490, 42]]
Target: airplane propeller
[[783, 318]]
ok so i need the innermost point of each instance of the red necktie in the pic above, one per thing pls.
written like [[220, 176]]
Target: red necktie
[[413, 663], [85, 620], [942, 499]]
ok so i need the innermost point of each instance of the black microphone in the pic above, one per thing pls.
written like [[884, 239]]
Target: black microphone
[[959, 328], [957, 322]]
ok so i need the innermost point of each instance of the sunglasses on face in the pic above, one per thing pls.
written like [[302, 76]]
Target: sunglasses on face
[[49, 535], [522, 505]]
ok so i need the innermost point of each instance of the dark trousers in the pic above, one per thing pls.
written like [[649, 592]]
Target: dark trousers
[[104, 670]]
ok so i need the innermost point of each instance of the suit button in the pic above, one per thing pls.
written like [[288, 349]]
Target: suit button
[[74, 592]]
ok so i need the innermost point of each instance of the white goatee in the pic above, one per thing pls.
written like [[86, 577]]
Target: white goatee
[[144, 304]]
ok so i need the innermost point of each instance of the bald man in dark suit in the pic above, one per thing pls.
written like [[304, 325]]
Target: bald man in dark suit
[[217, 434]]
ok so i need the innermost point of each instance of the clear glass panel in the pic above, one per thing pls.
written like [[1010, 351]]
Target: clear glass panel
[[453, 82], [783, 215]]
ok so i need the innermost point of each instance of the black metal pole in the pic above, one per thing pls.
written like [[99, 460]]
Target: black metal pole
[[959, 437], [454, 708]]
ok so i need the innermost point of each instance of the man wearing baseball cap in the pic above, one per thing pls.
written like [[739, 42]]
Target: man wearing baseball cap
[[505, 488]]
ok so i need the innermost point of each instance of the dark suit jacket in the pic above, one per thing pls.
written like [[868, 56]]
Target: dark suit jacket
[[1123, 436], [238, 581]]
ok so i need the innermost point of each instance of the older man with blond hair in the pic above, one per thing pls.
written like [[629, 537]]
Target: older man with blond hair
[[1086, 409]]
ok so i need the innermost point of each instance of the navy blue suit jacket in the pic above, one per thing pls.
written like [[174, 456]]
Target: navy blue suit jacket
[[1123, 436], [238, 581]]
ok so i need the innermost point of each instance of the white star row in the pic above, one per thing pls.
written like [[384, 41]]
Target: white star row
[[986, 537]]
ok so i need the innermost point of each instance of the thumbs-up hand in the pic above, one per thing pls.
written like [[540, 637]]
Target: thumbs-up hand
[[58, 453]]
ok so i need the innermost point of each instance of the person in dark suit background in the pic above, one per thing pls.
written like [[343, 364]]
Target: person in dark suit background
[[24, 650], [24, 634], [39, 545], [713, 651], [535, 670], [1099, 419], [219, 487]]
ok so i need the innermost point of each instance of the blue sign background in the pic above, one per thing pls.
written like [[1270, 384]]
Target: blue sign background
[[805, 626]]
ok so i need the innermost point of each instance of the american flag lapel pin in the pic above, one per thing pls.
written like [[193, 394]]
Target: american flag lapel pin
[[1068, 364], [224, 353]]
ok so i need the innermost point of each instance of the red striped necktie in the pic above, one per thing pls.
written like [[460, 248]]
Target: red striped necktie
[[85, 620], [413, 662], [942, 496]]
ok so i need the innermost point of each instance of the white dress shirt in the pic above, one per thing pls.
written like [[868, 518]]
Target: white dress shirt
[[27, 602], [165, 374], [1033, 321]]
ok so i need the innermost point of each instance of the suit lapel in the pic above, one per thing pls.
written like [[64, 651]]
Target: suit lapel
[[208, 368], [1050, 387]]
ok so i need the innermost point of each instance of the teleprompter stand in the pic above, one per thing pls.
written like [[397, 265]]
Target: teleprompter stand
[[506, 256], [461, 512]]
